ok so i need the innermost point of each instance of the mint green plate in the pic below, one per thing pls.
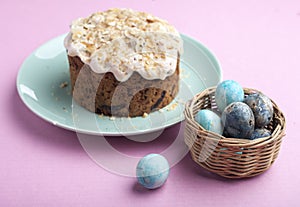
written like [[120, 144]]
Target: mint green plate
[[41, 79]]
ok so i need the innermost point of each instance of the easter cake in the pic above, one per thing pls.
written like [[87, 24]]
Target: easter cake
[[123, 62]]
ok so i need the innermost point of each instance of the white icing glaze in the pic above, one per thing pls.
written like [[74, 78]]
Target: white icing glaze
[[122, 41]]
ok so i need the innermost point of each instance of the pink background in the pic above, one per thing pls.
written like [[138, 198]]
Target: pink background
[[257, 43]]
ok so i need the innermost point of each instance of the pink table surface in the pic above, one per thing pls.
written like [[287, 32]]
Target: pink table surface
[[257, 43]]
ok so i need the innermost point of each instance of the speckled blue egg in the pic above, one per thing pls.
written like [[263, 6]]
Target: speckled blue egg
[[227, 92], [262, 108], [259, 133], [152, 171], [238, 120], [209, 120]]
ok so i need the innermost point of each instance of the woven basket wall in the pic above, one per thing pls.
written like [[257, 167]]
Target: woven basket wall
[[231, 157]]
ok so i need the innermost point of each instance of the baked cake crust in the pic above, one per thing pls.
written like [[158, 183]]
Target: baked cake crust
[[104, 94]]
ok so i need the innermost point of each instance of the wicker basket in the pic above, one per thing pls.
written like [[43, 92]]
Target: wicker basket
[[231, 157]]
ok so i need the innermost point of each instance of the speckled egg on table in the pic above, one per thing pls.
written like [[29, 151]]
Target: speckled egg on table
[[152, 171], [209, 120], [227, 92], [262, 108], [238, 120]]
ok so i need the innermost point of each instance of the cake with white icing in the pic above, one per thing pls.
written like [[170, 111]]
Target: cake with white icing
[[123, 62]]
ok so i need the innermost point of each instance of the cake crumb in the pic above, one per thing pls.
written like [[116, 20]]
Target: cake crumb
[[172, 107], [180, 101], [112, 118], [161, 110], [63, 84], [183, 74], [145, 115], [100, 115]]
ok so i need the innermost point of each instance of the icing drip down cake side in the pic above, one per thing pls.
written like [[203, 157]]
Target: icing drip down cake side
[[123, 62]]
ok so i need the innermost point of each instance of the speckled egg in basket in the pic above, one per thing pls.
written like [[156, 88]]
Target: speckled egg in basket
[[226, 156]]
